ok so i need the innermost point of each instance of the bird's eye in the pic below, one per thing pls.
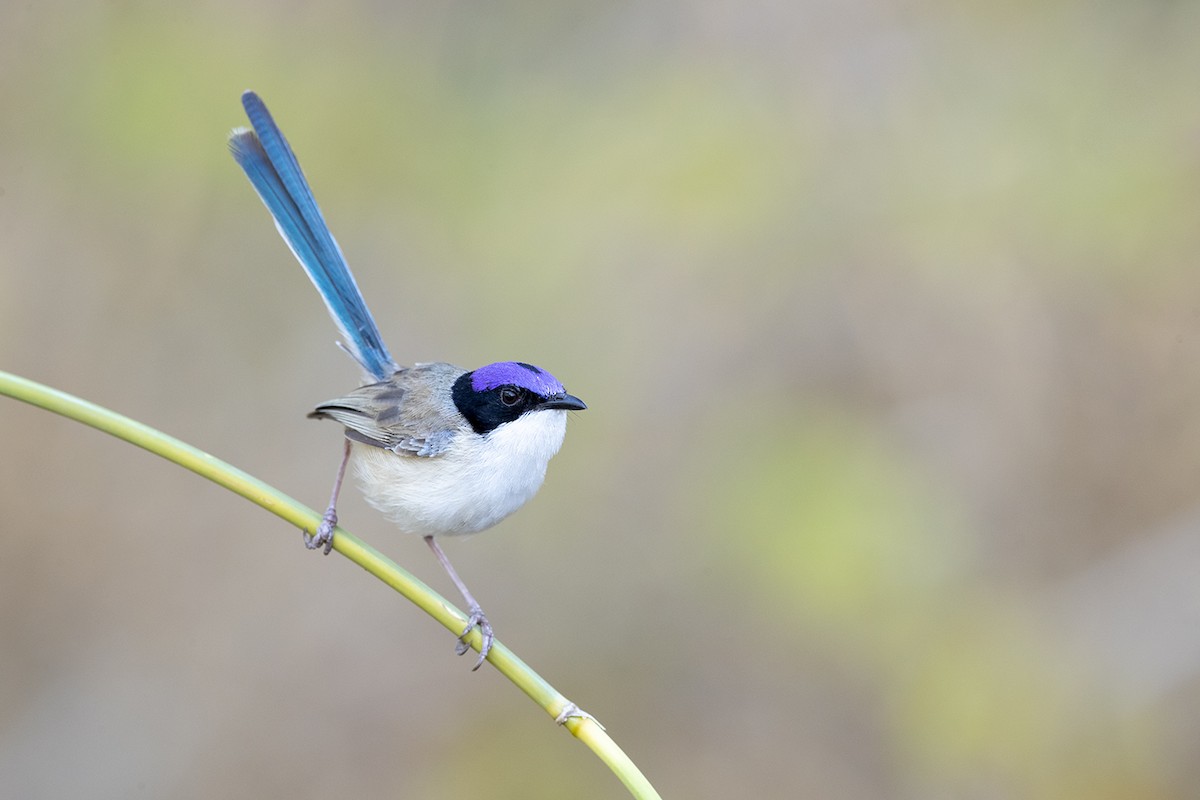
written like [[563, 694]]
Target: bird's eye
[[510, 396]]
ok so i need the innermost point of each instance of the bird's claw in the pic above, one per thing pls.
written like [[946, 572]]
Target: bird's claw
[[324, 535], [480, 620]]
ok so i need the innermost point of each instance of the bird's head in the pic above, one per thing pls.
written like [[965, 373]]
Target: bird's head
[[506, 391]]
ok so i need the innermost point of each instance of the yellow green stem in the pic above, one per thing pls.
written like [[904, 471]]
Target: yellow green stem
[[504, 660]]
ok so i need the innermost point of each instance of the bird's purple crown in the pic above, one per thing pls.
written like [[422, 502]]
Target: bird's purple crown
[[516, 373]]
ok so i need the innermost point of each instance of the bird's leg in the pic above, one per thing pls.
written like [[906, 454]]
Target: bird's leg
[[476, 618], [324, 534]]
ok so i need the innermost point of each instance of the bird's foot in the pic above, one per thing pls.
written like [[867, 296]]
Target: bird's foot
[[324, 534], [480, 620]]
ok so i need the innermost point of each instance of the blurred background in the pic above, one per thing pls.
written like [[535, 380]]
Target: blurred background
[[888, 317]]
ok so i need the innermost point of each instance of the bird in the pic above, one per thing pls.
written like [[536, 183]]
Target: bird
[[437, 449]]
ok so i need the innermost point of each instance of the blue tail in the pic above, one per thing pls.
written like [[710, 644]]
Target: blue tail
[[271, 166]]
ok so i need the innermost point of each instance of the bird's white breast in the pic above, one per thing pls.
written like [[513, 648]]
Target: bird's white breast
[[475, 483]]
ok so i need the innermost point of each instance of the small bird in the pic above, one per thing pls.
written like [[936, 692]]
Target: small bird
[[437, 449]]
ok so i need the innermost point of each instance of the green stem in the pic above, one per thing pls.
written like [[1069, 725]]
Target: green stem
[[585, 729]]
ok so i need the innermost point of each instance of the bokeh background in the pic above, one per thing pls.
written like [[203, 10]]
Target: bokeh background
[[888, 316]]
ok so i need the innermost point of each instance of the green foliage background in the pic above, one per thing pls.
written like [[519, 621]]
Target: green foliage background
[[888, 317]]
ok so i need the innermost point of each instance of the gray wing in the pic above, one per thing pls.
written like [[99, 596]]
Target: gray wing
[[411, 413]]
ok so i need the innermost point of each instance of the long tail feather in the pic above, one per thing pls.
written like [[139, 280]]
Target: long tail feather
[[272, 168]]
